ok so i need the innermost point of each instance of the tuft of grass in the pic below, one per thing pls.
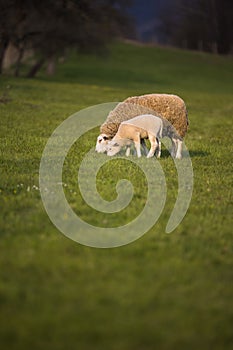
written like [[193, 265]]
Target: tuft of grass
[[162, 291]]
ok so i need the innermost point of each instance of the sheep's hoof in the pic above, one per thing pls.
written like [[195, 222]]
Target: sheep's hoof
[[173, 155]]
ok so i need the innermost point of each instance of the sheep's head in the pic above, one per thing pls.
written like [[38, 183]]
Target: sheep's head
[[101, 143], [113, 148]]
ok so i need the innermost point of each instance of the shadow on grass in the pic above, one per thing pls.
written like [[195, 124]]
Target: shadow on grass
[[198, 153], [166, 154]]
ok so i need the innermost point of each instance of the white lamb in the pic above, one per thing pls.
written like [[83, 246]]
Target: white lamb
[[141, 127]]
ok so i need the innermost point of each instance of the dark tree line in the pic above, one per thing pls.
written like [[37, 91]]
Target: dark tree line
[[205, 25], [50, 27]]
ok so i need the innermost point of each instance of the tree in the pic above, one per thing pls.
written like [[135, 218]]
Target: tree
[[49, 27], [199, 24]]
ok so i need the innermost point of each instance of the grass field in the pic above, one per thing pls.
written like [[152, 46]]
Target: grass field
[[160, 292]]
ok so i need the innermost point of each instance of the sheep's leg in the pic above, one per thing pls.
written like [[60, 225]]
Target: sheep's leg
[[153, 145], [158, 151], [179, 149], [174, 147], [137, 144], [144, 146]]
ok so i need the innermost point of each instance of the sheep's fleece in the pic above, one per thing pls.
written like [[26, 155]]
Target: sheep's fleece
[[170, 107]]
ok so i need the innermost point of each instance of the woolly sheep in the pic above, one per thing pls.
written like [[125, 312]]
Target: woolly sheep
[[170, 107], [135, 129]]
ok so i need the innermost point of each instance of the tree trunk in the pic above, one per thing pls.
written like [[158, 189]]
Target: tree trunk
[[51, 66], [214, 48], [200, 45], [37, 66], [4, 44], [19, 59], [185, 44]]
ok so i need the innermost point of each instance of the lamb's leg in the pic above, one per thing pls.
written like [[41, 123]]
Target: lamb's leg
[[174, 147], [137, 144], [179, 149], [153, 145], [144, 146], [127, 153]]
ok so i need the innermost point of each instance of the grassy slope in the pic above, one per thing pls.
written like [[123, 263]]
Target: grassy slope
[[162, 291]]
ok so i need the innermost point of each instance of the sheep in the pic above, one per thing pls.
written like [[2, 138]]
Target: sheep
[[141, 127], [170, 107]]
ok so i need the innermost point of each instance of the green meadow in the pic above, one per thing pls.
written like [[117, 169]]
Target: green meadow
[[163, 291]]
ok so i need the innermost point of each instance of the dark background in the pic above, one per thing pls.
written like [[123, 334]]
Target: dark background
[[50, 28]]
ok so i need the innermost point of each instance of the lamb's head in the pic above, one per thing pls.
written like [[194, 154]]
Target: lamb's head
[[113, 148], [102, 143]]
